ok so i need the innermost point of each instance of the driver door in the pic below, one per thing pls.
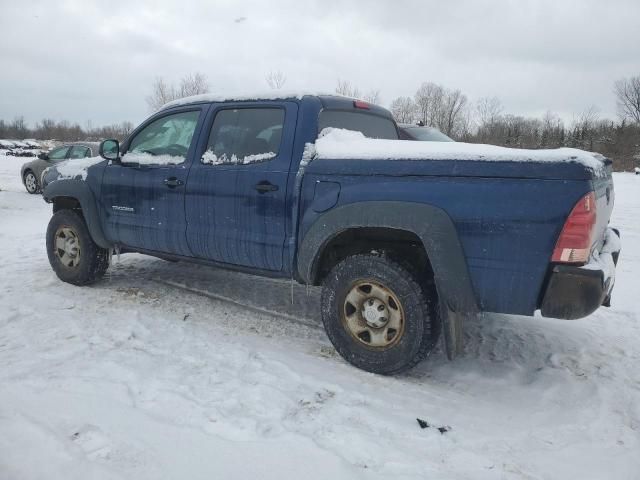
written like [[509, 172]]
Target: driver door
[[144, 194]]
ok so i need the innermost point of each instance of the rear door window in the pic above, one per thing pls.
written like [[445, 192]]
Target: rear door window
[[79, 152], [372, 126], [244, 135]]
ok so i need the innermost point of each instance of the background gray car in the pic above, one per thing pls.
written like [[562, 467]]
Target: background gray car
[[421, 133], [31, 172]]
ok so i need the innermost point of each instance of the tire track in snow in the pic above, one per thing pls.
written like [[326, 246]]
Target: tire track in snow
[[222, 298]]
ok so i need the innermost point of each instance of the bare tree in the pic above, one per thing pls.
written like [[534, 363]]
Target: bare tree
[[403, 110], [18, 127], [373, 97], [163, 92], [275, 79], [488, 111], [584, 132], [428, 100], [552, 130], [588, 118], [445, 109], [627, 92], [345, 88], [453, 113], [193, 84]]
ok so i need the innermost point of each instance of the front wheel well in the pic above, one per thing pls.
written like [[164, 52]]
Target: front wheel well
[[403, 246], [66, 203]]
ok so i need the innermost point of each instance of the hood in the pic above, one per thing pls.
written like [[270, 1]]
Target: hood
[[73, 169]]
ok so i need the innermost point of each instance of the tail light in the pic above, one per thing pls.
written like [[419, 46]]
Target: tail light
[[361, 104], [574, 243]]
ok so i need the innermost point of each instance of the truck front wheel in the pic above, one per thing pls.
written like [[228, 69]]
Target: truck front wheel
[[73, 254], [377, 315]]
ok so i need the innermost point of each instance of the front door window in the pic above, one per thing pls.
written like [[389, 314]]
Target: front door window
[[164, 141]]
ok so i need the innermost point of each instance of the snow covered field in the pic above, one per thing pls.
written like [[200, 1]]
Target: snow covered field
[[169, 370]]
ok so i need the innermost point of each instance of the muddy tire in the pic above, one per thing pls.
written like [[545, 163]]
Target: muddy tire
[[72, 253], [378, 315]]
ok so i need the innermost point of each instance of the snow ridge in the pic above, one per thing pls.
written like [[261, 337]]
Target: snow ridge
[[210, 158], [257, 95], [337, 144], [142, 158]]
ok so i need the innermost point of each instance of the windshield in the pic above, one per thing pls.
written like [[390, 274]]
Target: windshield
[[426, 134]]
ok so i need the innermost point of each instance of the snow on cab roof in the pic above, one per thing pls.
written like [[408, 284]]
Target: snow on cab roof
[[242, 96], [339, 144]]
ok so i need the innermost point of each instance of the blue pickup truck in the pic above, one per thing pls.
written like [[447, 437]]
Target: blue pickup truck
[[406, 238]]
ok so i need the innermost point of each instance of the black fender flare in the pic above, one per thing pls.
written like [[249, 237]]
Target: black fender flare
[[431, 224], [79, 190]]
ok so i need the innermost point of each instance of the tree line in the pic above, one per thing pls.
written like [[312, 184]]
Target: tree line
[[64, 131], [485, 121], [434, 105]]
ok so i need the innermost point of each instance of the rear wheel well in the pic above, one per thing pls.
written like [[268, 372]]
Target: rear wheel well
[[66, 203], [403, 246]]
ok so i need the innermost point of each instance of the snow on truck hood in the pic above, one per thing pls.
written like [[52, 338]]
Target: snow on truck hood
[[339, 144], [75, 167]]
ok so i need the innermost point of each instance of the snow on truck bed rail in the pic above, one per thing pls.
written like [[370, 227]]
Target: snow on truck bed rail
[[337, 144]]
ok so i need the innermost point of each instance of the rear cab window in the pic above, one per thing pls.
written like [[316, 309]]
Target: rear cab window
[[371, 125]]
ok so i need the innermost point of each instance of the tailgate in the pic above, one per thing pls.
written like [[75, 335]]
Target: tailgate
[[603, 189]]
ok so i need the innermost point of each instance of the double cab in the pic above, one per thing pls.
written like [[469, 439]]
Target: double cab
[[406, 238]]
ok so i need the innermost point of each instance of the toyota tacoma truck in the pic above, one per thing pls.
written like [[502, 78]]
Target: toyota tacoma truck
[[406, 238]]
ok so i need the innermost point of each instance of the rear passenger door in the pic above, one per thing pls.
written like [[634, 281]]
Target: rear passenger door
[[236, 191]]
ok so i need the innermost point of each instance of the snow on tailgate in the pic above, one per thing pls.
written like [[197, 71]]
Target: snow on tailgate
[[337, 143]]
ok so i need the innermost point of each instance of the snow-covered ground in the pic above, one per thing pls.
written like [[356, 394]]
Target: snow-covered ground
[[168, 370]]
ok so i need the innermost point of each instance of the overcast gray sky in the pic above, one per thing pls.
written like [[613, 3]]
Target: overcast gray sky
[[96, 61]]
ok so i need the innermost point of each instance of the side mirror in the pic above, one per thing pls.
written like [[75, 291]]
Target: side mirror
[[43, 156], [110, 150]]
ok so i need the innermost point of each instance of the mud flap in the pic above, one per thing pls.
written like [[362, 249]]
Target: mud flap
[[452, 328]]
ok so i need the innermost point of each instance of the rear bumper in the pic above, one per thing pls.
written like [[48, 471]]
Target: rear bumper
[[575, 292]]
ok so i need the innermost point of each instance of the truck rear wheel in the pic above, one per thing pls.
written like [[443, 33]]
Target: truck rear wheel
[[73, 254], [377, 315]]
